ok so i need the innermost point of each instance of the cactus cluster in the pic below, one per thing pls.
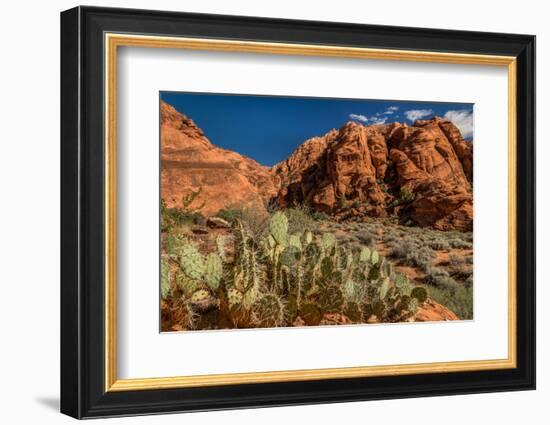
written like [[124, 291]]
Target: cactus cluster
[[279, 278]]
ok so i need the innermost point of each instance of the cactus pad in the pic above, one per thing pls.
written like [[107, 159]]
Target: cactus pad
[[327, 241], [290, 256], [191, 261], [331, 299], [213, 270], [164, 279], [364, 255], [234, 297], [278, 227], [420, 294], [269, 311]]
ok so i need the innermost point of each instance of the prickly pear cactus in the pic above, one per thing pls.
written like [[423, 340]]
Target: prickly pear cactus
[[234, 297], [331, 299], [294, 241], [200, 295], [374, 257], [173, 245], [327, 241], [221, 246], [327, 269], [420, 294], [308, 237], [350, 290], [384, 287], [213, 270], [250, 296], [186, 284], [278, 227], [311, 314], [290, 255], [413, 305], [374, 273], [364, 255], [379, 309], [191, 261], [201, 300], [269, 311], [164, 279], [402, 284], [353, 312]]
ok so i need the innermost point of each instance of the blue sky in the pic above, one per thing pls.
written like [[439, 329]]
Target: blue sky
[[269, 128]]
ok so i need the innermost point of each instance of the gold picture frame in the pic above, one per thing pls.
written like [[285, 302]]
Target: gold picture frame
[[114, 41]]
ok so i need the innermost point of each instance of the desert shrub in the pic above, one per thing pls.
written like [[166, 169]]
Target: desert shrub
[[439, 244], [389, 236], [171, 218], [319, 216], [438, 277], [456, 261], [365, 237], [459, 300], [254, 219], [459, 243], [405, 195], [299, 219], [410, 252], [230, 214]]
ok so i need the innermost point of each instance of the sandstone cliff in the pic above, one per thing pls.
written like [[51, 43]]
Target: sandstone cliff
[[189, 161], [421, 173]]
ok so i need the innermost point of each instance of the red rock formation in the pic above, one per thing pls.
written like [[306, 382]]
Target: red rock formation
[[362, 170], [189, 161], [422, 173]]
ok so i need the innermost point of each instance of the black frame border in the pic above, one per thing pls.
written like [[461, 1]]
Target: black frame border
[[82, 206]]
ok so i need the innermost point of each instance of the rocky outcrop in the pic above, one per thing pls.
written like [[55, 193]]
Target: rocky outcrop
[[189, 162], [431, 311], [422, 173]]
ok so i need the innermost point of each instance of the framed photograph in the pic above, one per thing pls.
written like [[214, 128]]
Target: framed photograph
[[261, 212]]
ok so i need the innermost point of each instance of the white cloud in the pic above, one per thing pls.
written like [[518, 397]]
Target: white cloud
[[464, 120], [358, 117], [375, 119], [391, 110], [415, 114]]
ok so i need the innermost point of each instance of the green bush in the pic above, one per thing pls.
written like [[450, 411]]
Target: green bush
[[405, 195], [459, 300], [300, 219]]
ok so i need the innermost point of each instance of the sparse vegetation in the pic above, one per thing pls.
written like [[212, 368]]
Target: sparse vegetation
[[297, 267], [280, 277]]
